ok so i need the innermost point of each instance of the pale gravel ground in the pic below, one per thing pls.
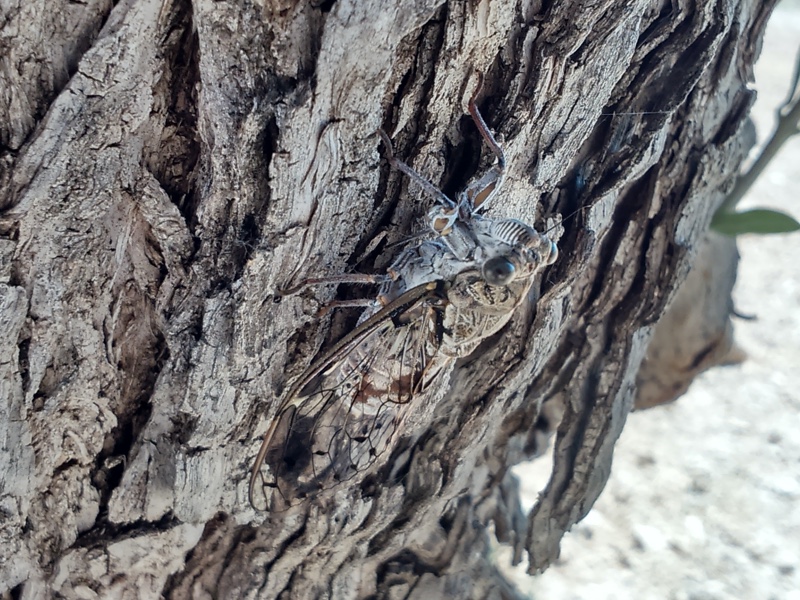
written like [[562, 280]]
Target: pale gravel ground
[[704, 499]]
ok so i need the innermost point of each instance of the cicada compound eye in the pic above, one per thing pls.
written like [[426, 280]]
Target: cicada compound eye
[[498, 271]]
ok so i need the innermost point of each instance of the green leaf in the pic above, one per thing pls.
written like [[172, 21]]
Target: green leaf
[[758, 220]]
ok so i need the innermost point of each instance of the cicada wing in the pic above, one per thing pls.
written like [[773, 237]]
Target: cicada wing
[[344, 417], [375, 382]]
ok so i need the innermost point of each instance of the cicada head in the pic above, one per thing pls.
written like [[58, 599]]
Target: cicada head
[[515, 250], [482, 299]]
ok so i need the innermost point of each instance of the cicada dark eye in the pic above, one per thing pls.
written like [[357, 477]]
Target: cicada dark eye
[[498, 271]]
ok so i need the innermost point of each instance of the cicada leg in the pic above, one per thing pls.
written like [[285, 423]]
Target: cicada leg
[[478, 195], [357, 278], [426, 185]]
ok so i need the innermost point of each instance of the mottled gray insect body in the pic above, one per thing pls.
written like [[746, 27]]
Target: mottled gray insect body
[[439, 300], [501, 250]]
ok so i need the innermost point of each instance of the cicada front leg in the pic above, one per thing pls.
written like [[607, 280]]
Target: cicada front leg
[[476, 197], [479, 194], [445, 215]]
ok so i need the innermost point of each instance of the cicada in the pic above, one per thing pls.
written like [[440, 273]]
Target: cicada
[[437, 302]]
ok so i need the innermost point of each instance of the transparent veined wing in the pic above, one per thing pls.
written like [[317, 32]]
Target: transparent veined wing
[[344, 411]]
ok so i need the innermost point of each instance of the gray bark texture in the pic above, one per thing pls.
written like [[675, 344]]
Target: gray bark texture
[[167, 167]]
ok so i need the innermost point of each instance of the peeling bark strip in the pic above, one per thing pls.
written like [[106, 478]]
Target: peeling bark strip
[[166, 167]]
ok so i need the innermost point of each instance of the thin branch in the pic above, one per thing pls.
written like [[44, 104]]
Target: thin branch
[[788, 115]]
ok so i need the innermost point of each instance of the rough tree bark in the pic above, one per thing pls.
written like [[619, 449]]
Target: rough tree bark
[[167, 166]]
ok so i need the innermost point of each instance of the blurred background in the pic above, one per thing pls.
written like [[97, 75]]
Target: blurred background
[[703, 502]]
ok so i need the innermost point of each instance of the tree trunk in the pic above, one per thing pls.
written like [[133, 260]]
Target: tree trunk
[[168, 167]]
